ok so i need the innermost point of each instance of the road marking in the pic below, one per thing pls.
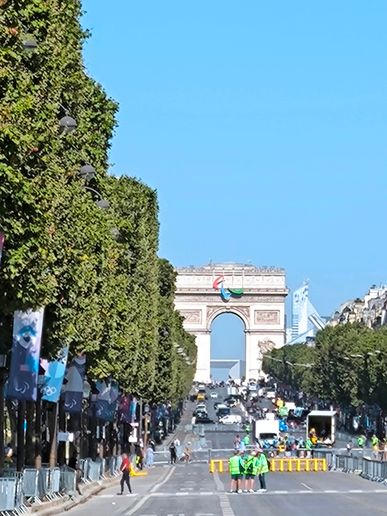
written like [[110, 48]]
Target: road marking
[[140, 503], [330, 491], [168, 476], [225, 505], [218, 482], [307, 487]]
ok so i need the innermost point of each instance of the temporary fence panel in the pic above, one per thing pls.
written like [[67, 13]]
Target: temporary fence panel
[[30, 483], [54, 486], [8, 493], [94, 470], [43, 482], [68, 479]]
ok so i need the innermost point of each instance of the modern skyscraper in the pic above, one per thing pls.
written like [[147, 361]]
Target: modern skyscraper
[[305, 318]]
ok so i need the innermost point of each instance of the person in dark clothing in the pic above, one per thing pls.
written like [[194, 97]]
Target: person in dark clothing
[[172, 451], [125, 470]]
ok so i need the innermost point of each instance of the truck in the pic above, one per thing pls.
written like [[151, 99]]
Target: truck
[[266, 431], [322, 425]]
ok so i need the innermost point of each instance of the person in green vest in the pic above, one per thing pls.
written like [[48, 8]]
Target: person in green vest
[[250, 466], [246, 439], [262, 469], [361, 441], [375, 446], [235, 466]]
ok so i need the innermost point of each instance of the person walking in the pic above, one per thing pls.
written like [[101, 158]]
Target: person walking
[[235, 466], [125, 469], [172, 451], [262, 469]]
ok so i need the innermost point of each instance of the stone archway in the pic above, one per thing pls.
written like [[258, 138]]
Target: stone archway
[[255, 294]]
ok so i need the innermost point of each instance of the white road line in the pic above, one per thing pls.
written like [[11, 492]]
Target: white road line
[[156, 486], [330, 491], [307, 487], [218, 482], [225, 505], [140, 503]]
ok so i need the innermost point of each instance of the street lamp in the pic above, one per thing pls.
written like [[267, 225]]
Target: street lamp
[[67, 124], [87, 171], [29, 43], [101, 203]]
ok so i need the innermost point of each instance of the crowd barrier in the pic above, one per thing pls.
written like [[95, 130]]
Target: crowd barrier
[[282, 465], [20, 490]]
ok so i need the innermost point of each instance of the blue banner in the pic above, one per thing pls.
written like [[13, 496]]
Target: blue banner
[[53, 377], [73, 389], [24, 370], [106, 403]]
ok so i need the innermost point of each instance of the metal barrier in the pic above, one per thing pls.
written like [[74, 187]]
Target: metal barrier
[[282, 465], [68, 480], [30, 484], [94, 470], [8, 491]]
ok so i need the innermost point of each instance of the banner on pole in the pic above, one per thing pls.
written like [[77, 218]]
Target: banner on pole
[[53, 376], [73, 389], [107, 398], [24, 370]]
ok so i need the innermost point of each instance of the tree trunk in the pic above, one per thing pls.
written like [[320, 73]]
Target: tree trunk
[[38, 433], [2, 442], [29, 434], [53, 435], [62, 428]]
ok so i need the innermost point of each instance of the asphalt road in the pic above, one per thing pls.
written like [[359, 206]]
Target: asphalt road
[[190, 490]]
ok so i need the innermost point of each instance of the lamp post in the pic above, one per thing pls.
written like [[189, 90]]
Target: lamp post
[[67, 124]]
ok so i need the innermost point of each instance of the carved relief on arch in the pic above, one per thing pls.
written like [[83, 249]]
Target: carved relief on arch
[[266, 345], [242, 311]]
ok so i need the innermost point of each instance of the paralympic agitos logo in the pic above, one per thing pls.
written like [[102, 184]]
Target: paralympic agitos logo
[[226, 293]]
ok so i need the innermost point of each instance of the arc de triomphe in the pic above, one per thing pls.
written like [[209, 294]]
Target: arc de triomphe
[[255, 294]]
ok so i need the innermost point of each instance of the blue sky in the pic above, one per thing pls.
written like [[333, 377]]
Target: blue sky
[[262, 125]]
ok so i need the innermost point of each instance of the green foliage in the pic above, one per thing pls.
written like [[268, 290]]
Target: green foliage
[[291, 365], [349, 365], [95, 271]]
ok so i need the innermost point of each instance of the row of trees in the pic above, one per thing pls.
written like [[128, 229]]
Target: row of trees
[[96, 271], [347, 365]]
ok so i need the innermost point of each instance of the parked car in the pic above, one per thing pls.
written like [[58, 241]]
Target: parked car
[[214, 395], [203, 420], [231, 403], [230, 419]]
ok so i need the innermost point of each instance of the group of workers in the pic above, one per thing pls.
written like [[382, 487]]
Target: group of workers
[[244, 467]]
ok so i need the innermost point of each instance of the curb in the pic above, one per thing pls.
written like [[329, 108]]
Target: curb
[[59, 506]]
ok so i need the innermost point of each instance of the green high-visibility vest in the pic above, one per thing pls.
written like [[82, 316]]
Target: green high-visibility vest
[[234, 465], [248, 465], [246, 440], [255, 466], [263, 466]]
